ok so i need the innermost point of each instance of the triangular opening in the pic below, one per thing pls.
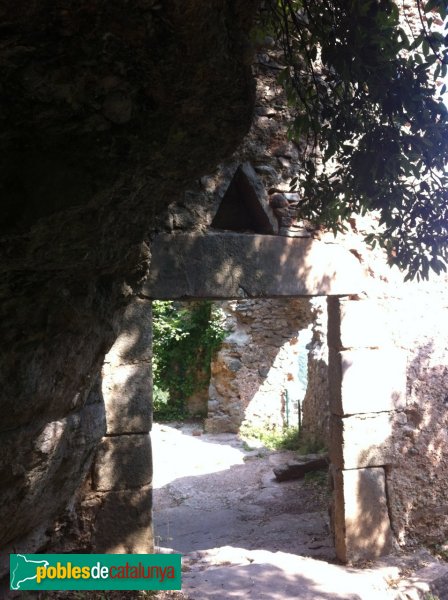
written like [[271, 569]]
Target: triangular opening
[[244, 206]]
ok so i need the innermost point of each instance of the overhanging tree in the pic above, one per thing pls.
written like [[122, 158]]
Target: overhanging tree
[[365, 83]]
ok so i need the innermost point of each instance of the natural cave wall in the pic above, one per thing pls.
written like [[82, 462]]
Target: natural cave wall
[[108, 110]]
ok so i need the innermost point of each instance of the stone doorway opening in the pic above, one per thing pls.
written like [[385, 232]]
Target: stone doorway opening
[[231, 266], [215, 494], [241, 363]]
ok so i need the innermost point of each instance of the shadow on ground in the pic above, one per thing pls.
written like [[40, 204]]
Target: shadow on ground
[[229, 497]]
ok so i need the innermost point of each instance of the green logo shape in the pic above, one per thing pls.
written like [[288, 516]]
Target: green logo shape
[[23, 570], [95, 571]]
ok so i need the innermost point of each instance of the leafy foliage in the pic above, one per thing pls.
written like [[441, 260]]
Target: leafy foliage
[[370, 119], [184, 340]]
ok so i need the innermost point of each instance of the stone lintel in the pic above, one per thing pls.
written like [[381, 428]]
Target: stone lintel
[[232, 266], [367, 380]]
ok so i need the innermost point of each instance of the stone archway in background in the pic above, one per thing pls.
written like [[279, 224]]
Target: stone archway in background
[[362, 404]]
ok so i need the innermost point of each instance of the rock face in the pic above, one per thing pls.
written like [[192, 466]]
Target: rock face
[[417, 321], [108, 109], [110, 113]]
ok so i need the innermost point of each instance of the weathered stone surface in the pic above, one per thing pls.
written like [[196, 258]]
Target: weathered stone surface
[[254, 375], [49, 365], [366, 381], [123, 462], [356, 324], [126, 373], [220, 424], [429, 582], [134, 341], [315, 405], [89, 135], [123, 523], [362, 525], [91, 155], [127, 392], [362, 440], [227, 265], [41, 466], [196, 404]]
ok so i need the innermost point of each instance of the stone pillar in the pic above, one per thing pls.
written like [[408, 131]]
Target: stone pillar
[[122, 471], [367, 381]]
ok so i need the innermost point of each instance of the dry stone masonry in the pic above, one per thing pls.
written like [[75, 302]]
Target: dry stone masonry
[[255, 375], [316, 404]]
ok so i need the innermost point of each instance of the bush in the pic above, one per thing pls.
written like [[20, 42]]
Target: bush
[[185, 337]]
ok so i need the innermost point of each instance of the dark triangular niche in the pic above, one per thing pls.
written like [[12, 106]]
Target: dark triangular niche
[[244, 206]]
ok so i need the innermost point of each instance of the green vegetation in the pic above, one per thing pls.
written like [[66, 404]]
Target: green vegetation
[[185, 336], [370, 118], [318, 478], [286, 438]]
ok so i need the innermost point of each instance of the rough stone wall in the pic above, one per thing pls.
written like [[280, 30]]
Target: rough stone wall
[[254, 376], [197, 403], [108, 110], [316, 410], [418, 323], [266, 147], [419, 459], [414, 318]]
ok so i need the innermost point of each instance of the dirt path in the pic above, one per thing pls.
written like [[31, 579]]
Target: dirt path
[[221, 494], [242, 534], [245, 536]]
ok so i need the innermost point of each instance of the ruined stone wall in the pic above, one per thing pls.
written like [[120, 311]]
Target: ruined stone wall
[[109, 111], [316, 410], [415, 468], [255, 375], [418, 323], [412, 318], [266, 148]]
